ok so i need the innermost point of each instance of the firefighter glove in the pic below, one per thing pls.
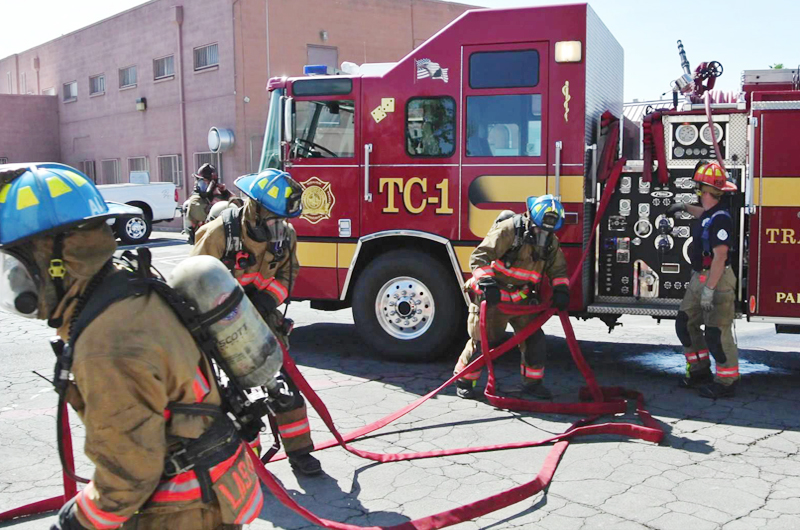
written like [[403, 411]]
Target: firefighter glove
[[675, 208], [707, 298], [561, 297], [68, 517], [264, 303], [490, 290]]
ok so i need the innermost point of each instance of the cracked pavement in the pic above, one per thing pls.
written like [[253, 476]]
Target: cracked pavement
[[731, 465]]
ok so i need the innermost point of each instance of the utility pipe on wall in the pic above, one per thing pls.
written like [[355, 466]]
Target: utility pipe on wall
[[179, 20]]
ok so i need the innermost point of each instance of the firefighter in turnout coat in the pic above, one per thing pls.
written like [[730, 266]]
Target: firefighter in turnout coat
[[705, 318], [509, 266], [137, 371], [258, 245]]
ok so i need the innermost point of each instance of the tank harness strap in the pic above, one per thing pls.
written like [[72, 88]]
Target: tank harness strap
[[236, 256], [216, 314], [705, 237], [219, 442], [519, 239]]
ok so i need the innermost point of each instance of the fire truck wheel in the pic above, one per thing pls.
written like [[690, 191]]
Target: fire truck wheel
[[407, 306]]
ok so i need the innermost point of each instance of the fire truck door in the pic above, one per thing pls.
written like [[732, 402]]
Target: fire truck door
[[504, 130], [410, 172], [774, 252], [325, 160]]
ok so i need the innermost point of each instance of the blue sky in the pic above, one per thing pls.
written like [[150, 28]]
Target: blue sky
[[738, 33]]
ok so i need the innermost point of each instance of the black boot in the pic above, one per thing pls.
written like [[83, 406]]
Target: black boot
[[190, 239], [696, 379], [717, 390], [305, 464], [466, 389], [537, 390]]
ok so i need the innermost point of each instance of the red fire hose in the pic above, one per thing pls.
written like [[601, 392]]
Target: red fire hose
[[604, 400]]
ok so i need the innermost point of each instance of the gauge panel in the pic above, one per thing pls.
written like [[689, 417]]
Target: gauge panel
[[692, 141], [705, 133], [686, 133]]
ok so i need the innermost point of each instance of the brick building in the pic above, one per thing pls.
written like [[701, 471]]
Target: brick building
[[140, 90]]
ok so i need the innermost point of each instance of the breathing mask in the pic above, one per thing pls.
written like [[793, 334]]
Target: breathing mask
[[539, 235], [19, 292], [274, 230], [203, 185]]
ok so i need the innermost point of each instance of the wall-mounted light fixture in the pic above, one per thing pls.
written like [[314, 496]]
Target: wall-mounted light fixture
[[141, 104]]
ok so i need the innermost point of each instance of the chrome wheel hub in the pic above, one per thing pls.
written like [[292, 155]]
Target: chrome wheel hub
[[136, 227], [404, 307]]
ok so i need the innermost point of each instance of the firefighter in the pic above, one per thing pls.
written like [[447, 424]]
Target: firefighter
[[706, 313], [136, 371], [206, 189], [259, 246], [508, 266]]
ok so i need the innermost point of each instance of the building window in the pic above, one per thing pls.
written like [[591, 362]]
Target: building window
[[327, 55], [97, 85], [138, 163], [508, 69], [49, 91], [127, 77], [87, 166], [206, 56], [109, 170], [164, 67], [431, 126], [3, 160], [170, 169], [10, 84], [24, 80], [70, 91], [215, 159], [504, 125]]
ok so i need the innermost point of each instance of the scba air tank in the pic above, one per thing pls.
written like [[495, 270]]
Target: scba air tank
[[243, 338]]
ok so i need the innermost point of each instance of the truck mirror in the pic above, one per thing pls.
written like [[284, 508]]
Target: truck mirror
[[288, 120]]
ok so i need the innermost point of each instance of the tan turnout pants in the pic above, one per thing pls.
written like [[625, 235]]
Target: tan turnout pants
[[533, 349], [709, 334]]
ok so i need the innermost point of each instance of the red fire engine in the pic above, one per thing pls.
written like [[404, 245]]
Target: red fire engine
[[406, 165]]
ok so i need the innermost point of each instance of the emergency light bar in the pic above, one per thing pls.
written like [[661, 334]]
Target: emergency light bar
[[317, 69]]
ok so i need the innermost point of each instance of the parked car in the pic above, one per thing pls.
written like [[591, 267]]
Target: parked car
[[158, 201]]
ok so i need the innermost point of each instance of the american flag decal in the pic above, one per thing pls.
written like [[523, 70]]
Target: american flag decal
[[427, 68]]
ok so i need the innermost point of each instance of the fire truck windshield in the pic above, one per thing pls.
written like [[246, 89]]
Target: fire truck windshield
[[270, 152], [325, 129]]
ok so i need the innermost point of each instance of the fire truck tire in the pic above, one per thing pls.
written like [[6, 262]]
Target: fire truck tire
[[407, 306]]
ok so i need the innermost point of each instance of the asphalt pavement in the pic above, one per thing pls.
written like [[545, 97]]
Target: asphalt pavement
[[732, 464]]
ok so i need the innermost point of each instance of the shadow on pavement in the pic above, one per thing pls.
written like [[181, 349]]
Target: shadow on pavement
[[767, 398], [322, 494]]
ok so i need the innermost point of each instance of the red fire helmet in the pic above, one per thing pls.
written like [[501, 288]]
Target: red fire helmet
[[714, 175]]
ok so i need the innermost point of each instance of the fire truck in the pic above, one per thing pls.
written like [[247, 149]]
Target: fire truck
[[406, 166]]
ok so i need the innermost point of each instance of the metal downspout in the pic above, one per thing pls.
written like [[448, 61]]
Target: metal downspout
[[182, 100], [236, 98]]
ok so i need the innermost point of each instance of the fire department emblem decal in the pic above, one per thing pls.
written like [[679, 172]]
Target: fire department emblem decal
[[427, 68], [318, 200]]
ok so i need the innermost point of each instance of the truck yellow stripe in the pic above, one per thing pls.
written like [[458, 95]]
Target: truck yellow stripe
[[311, 254], [777, 191], [463, 254], [325, 255]]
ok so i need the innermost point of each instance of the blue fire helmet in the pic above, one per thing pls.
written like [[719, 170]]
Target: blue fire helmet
[[275, 190], [49, 198], [546, 212]]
